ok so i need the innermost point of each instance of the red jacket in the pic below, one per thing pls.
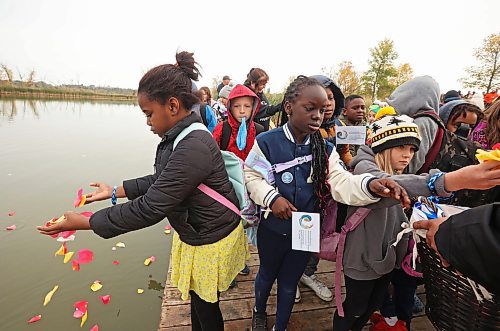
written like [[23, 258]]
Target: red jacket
[[238, 91]]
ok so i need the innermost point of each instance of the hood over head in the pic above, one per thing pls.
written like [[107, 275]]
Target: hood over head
[[418, 94], [447, 108], [338, 96], [241, 91]]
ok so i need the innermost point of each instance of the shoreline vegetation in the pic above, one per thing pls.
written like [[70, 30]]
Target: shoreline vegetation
[[42, 90]]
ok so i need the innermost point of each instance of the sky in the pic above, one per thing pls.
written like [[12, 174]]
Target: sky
[[113, 43]]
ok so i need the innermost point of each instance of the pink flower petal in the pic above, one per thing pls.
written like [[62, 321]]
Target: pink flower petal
[[80, 308], [12, 213], [95, 328], [85, 256], [152, 258], [105, 299], [11, 228], [66, 234], [116, 262], [87, 214], [35, 318], [168, 227], [78, 198], [78, 314]]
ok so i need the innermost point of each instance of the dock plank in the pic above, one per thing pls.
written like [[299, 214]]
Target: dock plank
[[236, 304]]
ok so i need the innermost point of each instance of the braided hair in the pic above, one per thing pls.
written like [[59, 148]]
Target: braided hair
[[318, 145], [172, 80]]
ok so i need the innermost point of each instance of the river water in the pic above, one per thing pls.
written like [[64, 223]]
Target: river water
[[48, 150]]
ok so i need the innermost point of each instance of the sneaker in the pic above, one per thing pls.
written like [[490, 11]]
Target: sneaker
[[245, 271], [297, 295], [317, 286], [233, 284], [259, 321], [274, 328], [418, 306]]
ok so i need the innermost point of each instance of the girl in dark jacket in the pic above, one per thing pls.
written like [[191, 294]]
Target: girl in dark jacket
[[209, 247]]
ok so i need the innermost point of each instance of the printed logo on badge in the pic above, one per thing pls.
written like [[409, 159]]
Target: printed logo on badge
[[306, 222], [287, 177]]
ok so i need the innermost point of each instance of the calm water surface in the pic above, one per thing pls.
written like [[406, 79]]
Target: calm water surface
[[48, 150]]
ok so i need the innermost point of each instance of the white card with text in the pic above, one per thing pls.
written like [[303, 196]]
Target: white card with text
[[305, 231], [352, 135]]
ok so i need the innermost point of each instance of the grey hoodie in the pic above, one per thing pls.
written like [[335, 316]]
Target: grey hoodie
[[368, 253], [412, 97]]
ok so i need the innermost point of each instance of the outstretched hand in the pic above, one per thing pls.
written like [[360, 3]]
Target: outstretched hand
[[432, 227], [282, 208], [103, 192], [388, 188], [481, 176], [71, 221]]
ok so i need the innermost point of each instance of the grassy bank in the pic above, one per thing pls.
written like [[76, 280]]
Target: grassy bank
[[65, 92]]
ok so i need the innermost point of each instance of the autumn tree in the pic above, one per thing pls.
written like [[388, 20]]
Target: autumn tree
[[347, 78], [30, 80], [486, 75], [8, 72], [377, 80], [404, 72]]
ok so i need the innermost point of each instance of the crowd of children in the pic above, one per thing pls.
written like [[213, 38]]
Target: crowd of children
[[299, 166]]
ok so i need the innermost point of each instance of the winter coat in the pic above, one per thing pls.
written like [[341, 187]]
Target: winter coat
[[236, 92], [171, 192]]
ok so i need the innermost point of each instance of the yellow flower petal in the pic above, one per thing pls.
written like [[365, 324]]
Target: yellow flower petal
[[60, 251], [82, 202], [167, 231], [488, 155], [120, 244], [84, 319], [49, 295], [140, 291], [96, 286], [68, 256], [147, 261]]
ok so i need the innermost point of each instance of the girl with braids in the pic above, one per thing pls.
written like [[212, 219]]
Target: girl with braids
[[307, 187], [209, 245]]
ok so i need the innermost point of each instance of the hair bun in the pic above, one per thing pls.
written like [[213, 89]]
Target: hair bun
[[186, 63]]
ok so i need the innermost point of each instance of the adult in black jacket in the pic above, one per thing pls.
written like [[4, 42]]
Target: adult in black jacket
[[470, 242], [256, 81], [165, 97]]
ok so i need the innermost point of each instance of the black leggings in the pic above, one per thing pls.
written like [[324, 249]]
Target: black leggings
[[205, 316], [363, 297]]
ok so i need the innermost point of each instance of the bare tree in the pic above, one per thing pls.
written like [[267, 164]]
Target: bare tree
[[8, 73]]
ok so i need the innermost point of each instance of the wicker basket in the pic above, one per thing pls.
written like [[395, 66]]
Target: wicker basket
[[451, 302]]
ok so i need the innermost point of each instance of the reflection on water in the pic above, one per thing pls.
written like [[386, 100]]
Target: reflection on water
[[48, 150]]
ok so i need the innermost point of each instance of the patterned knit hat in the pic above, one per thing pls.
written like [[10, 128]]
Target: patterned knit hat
[[393, 131]]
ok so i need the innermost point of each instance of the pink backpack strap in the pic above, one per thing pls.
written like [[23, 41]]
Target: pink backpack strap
[[219, 198], [351, 224]]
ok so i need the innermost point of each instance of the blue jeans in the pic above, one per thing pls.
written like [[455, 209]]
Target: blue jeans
[[278, 262]]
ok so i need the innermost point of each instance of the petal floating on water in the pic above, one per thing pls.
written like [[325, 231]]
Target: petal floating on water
[[12, 213], [120, 244], [140, 291], [96, 286], [49, 295], [85, 256], [35, 318], [11, 227], [147, 261], [116, 262], [95, 328], [84, 319], [105, 299]]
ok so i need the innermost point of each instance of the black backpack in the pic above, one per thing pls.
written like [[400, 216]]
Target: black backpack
[[226, 133], [450, 152]]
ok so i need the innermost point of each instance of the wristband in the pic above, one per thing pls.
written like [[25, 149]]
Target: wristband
[[113, 195], [431, 184]]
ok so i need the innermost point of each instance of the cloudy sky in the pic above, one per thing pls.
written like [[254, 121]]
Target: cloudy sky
[[112, 43]]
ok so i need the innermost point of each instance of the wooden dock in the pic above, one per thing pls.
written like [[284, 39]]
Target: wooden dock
[[236, 304]]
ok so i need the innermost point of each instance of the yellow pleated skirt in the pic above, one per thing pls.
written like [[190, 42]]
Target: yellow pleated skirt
[[208, 269]]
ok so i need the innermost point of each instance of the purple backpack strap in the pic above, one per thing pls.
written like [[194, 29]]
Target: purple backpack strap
[[219, 198], [279, 167], [351, 224]]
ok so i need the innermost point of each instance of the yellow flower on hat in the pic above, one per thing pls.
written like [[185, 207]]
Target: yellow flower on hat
[[385, 111]]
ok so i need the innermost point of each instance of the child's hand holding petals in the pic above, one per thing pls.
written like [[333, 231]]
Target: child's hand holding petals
[[72, 221]]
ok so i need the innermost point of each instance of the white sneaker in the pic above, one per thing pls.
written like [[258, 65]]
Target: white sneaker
[[317, 286], [297, 295]]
